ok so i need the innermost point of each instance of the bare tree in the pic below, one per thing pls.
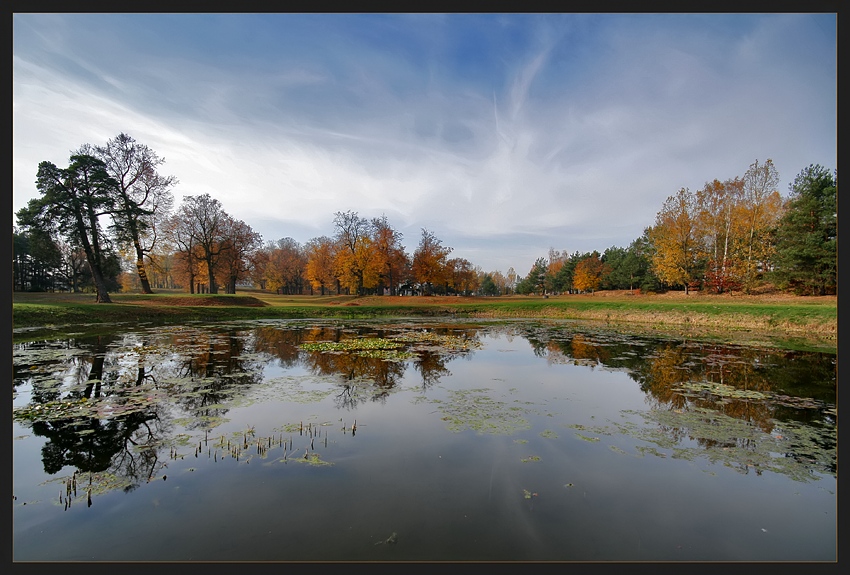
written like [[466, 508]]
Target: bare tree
[[143, 196], [208, 222]]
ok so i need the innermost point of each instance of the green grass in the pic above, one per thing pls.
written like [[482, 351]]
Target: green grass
[[788, 317]]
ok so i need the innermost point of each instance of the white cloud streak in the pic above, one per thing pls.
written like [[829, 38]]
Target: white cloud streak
[[568, 140]]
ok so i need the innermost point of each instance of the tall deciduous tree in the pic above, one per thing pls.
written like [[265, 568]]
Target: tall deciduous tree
[[320, 263], [207, 225], [461, 276], [718, 205], [354, 265], [235, 262], [72, 202], [143, 196], [286, 267], [391, 255], [806, 248], [180, 234], [429, 260], [674, 240], [588, 273], [762, 208]]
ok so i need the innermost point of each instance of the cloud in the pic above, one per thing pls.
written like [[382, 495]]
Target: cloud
[[518, 133]]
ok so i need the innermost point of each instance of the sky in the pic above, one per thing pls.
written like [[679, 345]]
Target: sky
[[504, 135]]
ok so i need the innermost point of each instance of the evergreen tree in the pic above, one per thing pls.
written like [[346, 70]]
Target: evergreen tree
[[806, 255]]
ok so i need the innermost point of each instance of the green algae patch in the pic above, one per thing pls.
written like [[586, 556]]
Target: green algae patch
[[586, 438], [349, 345], [798, 451], [313, 459], [443, 342], [475, 410]]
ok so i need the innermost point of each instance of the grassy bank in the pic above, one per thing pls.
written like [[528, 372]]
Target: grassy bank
[[777, 315]]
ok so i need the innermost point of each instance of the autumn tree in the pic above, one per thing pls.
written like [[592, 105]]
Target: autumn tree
[[461, 275], [806, 249], [556, 261], [319, 270], [180, 236], [429, 261], [259, 262], [143, 196], [71, 204], [205, 226], [286, 267], [235, 261], [392, 258], [762, 208], [356, 263], [676, 247], [588, 273], [719, 205], [501, 281], [563, 278]]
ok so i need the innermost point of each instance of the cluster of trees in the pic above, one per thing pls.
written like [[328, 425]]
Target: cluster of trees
[[730, 235], [615, 268], [105, 203], [363, 257], [739, 233], [111, 206]]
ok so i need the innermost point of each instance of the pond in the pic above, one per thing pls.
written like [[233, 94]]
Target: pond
[[413, 440]]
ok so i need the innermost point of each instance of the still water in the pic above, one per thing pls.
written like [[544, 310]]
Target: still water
[[420, 441]]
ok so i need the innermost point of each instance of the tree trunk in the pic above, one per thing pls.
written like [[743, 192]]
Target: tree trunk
[[212, 284], [140, 268], [99, 284]]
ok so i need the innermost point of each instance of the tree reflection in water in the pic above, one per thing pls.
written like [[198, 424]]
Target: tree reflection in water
[[140, 387]]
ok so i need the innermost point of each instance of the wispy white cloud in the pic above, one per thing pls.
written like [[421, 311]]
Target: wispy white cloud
[[507, 134]]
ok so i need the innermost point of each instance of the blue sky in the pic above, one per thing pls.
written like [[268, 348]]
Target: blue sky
[[503, 134]]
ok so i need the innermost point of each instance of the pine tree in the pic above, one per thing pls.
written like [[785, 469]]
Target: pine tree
[[806, 257]]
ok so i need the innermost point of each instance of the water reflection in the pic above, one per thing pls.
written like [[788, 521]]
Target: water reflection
[[119, 404]]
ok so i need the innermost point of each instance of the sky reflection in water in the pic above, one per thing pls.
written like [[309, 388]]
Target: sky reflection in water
[[495, 442]]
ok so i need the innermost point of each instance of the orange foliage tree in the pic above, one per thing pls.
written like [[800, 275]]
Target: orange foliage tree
[[588, 273], [392, 259], [320, 263], [429, 261]]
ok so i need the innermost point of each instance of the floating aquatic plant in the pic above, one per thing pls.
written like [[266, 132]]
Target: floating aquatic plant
[[474, 409]]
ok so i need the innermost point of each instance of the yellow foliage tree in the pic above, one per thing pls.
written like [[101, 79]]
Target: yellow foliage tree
[[320, 263], [588, 273], [674, 239]]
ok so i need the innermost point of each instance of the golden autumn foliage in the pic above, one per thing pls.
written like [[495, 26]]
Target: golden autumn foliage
[[674, 237], [588, 273], [320, 263], [429, 260]]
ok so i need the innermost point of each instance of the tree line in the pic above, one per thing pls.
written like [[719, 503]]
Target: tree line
[[731, 235], [111, 206]]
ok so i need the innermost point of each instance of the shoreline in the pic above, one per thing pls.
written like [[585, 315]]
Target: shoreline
[[773, 318]]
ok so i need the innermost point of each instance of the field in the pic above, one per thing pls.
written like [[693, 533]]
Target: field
[[776, 315]]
